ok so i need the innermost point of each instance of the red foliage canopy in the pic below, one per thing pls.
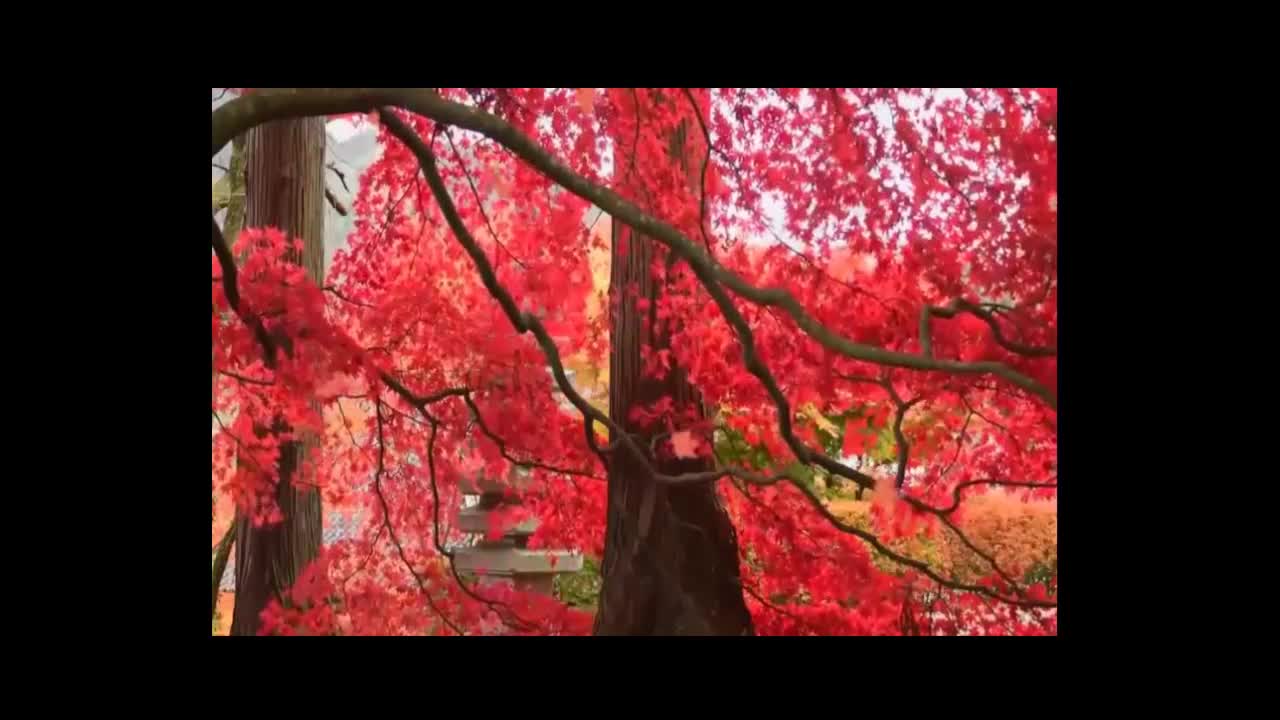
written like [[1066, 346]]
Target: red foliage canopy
[[886, 259]]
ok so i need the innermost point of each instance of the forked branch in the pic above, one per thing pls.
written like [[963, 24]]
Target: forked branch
[[958, 306], [241, 114]]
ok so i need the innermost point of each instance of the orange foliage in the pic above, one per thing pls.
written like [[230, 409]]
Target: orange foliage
[[1019, 535]]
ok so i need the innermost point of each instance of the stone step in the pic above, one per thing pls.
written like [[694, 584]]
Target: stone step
[[476, 520], [515, 561]]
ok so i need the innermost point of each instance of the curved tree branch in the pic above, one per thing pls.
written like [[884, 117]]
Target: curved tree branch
[[241, 114], [528, 323], [919, 565], [711, 275], [479, 203], [960, 305], [955, 492], [502, 446], [230, 288], [706, 160], [386, 519], [338, 294], [904, 450], [493, 605]]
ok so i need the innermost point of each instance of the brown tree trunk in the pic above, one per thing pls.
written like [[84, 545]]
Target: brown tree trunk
[[671, 553], [285, 190]]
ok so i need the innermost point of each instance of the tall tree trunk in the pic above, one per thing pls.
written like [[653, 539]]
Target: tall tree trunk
[[671, 553], [286, 190]]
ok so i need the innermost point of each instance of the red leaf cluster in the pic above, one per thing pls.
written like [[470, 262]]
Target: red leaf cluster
[[867, 206]]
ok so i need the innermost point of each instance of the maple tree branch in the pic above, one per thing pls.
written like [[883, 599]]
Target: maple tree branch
[[527, 322], [972, 411], [417, 401], [333, 200], [420, 403], [373, 547], [776, 608], [710, 275], [240, 444], [959, 443], [773, 511], [391, 531], [338, 294], [502, 446], [990, 559], [921, 566], [341, 178], [706, 160], [521, 321], [955, 492], [243, 379], [960, 305], [904, 453], [742, 183], [243, 113], [493, 605], [924, 158], [479, 204], [346, 423], [904, 449], [231, 290]]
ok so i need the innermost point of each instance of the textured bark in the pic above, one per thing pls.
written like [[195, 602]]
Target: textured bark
[[671, 553], [285, 190]]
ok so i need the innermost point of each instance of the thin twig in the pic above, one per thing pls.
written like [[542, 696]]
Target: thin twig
[[781, 611], [341, 177], [333, 200], [386, 519], [960, 305], [475, 412], [706, 160], [479, 203], [347, 424], [955, 492], [243, 379], [520, 622], [338, 294]]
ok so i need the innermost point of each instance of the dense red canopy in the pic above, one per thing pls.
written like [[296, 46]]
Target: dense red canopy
[[888, 215]]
